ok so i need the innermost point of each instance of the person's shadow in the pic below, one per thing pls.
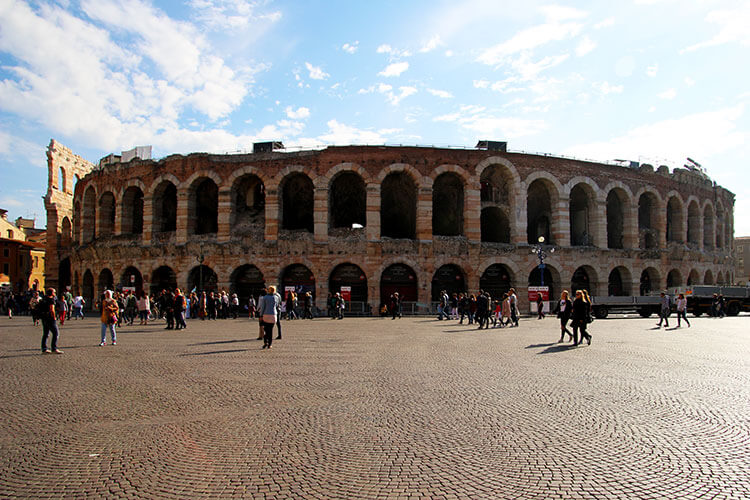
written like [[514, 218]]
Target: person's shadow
[[558, 348]]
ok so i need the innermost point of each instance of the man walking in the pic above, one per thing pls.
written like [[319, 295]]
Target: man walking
[[49, 322], [664, 310]]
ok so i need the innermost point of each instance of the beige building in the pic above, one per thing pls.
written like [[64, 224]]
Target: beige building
[[742, 260]]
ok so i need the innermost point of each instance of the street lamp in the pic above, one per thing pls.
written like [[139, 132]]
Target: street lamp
[[200, 258], [539, 250]]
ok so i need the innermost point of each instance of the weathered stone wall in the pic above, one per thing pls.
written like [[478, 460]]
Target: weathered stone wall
[[271, 248]]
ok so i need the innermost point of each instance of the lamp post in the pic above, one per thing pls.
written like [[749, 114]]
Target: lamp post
[[539, 250], [200, 258]]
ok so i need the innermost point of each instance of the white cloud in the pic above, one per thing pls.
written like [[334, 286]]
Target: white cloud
[[689, 81], [481, 84], [394, 69], [339, 133], [230, 14], [652, 70], [392, 52], [387, 90], [431, 44], [479, 120], [732, 24], [668, 94], [605, 88], [443, 94], [316, 73], [300, 113], [384, 49], [350, 48], [404, 92], [610, 21], [13, 147], [698, 135], [585, 46]]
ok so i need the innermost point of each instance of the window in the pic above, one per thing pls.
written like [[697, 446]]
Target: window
[[10, 234], [6, 269], [36, 261], [6, 252]]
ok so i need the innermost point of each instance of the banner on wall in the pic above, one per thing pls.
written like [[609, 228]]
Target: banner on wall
[[534, 293], [346, 293]]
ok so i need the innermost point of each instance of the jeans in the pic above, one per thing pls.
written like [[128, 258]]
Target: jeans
[[78, 312], [49, 326], [112, 332], [267, 334], [683, 315]]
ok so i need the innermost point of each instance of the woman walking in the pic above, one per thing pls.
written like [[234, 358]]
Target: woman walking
[[144, 308], [110, 311], [682, 309], [268, 306], [580, 318], [563, 310]]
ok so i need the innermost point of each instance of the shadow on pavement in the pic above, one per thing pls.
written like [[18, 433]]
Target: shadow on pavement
[[213, 352], [558, 348], [532, 346], [221, 342]]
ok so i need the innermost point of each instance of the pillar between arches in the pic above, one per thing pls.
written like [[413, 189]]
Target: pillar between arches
[[148, 220], [182, 218], [225, 210], [320, 215], [272, 215]]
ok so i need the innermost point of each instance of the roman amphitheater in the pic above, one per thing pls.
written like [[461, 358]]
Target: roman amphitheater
[[380, 219]]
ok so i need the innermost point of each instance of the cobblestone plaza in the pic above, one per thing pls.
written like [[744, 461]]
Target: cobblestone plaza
[[376, 408]]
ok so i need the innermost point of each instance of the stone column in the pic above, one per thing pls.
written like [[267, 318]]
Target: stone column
[[519, 217], [561, 223], [117, 229], [225, 211], [661, 226], [272, 215], [599, 224], [320, 215], [424, 214], [630, 227], [472, 215], [148, 219], [373, 212], [181, 235]]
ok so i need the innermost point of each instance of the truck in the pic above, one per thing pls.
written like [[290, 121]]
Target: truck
[[645, 305], [700, 298]]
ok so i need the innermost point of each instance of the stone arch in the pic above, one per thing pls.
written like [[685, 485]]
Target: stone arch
[[299, 276], [675, 218], [203, 205], [720, 278], [550, 277], [348, 274], [648, 216], [398, 205], [132, 277], [107, 215], [494, 225], [88, 226], [708, 277], [708, 226], [693, 278], [244, 171], [163, 278], [247, 281], [190, 181], [285, 172], [650, 281], [584, 278], [448, 277], [323, 181], [402, 278], [106, 281], [61, 180], [202, 278], [64, 275], [542, 197], [497, 279], [674, 278], [407, 169], [618, 200], [448, 205], [164, 203], [297, 203], [87, 288], [66, 232], [618, 283], [581, 211], [447, 168], [693, 222], [498, 160], [132, 210], [347, 200], [248, 204], [77, 222]]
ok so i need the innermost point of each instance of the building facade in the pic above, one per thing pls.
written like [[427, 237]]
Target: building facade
[[377, 219], [742, 260]]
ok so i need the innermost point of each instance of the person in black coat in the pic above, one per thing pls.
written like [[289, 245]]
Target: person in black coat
[[564, 310], [580, 318]]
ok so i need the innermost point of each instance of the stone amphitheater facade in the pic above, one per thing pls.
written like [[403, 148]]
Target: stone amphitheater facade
[[380, 219]]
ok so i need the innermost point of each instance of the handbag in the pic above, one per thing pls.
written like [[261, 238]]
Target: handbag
[[269, 318]]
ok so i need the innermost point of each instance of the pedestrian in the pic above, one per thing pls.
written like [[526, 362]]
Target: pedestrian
[[340, 305], [78, 304], [46, 312], [395, 306], [563, 310], [110, 313], [664, 310], [579, 317], [235, 306], [539, 306], [61, 308], [308, 306], [68, 298], [681, 304], [463, 307], [454, 306], [482, 307], [505, 311], [268, 307], [513, 306], [33, 303], [144, 308], [443, 306], [278, 314], [179, 306], [589, 315], [722, 306], [260, 318], [251, 307]]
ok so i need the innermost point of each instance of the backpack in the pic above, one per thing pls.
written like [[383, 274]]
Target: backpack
[[41, 309]]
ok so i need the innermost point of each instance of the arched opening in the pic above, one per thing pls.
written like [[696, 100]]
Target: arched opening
[[551, 279], [647, 216], [541, 197], [580, 209], [297, 203], [202, 279], [693, 278], [398, 206], [87, 289], [584, 278], [719, 226], [351, 276], [88, 228], [708, 278], [132, 280], [163, 278], [494, 225], [495, 186], [674, 278], [694, 224], [348, 201], [448, 277], [708, 227], [448, 205], [132, 211], [203, 207], [674, 220], [649, 281], [63, 276], [165, 208], [398, 278], [616, 200], [77, 223], [247, 281], [106, 282], [299, 278], [61, 180], [618, 283], [248, 205], [106, 215], [496, 280], [720, 279], [66, 232]]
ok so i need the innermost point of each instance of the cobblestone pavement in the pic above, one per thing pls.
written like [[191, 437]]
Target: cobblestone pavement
[[375, 408]]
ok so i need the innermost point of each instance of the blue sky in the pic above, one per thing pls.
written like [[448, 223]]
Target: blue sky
[[647, 80]]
